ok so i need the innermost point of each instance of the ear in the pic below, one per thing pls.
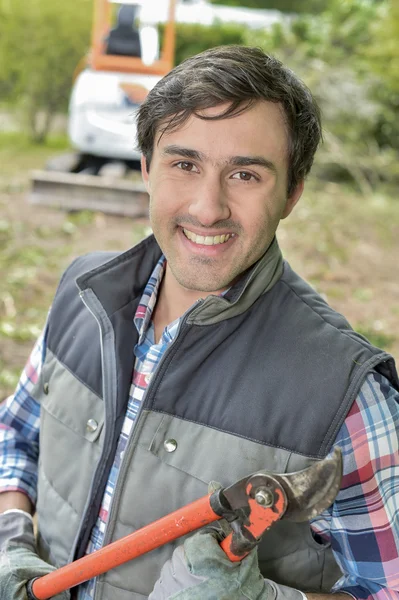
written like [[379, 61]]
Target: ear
[[144, 173], [293, 199]]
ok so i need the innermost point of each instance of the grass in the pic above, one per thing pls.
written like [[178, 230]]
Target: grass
[[378, 338], [18, 154], [346, 246]]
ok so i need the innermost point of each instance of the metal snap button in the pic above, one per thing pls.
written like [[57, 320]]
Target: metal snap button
[[170, 445], [91, 425], [147, 378], [46, 387]]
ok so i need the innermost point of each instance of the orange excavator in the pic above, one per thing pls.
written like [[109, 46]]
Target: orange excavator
[[124, 63]]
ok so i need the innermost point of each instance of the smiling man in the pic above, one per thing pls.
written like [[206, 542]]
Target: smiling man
[[199, 356]]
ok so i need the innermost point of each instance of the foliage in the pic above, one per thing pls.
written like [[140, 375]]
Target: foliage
[[383, 60], [333, 54], [17, 148], [378, 338], [41, 42], [193, 38], [288, 6]]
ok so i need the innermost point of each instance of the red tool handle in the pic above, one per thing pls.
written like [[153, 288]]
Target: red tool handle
[[184, 520]]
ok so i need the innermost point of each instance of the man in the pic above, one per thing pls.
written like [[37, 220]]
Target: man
[[202, 356]]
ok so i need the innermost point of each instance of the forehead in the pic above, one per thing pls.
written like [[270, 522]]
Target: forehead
[[259, 130]]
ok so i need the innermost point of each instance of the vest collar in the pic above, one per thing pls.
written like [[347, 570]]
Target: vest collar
[[258, 280]]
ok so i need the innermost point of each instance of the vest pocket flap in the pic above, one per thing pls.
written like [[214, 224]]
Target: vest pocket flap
[[209, 454], [79, 409], [86, 421]]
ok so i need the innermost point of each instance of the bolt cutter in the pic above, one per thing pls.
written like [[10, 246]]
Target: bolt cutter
[[251, 506]]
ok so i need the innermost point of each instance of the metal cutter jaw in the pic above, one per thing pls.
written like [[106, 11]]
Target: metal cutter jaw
[[254, 503], [312, 490]]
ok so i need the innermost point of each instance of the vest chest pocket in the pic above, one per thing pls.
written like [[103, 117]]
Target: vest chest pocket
[[71, 428], [210, 454]]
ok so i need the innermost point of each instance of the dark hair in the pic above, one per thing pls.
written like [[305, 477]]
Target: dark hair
[[239, 75]]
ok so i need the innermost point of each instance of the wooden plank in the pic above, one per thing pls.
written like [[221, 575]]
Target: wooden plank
[[74, 191]]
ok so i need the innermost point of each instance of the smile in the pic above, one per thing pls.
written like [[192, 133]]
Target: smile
[[208, 240]]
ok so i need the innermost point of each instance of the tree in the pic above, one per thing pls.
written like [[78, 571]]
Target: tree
[[41, 42], [383, 64]]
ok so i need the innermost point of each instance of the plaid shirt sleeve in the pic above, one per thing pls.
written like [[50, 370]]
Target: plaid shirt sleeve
[[363, 523], [19, 430]]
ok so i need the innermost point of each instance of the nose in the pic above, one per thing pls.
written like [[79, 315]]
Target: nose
[[210, 203]]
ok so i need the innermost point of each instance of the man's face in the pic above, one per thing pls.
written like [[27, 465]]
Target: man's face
[[217, 193]]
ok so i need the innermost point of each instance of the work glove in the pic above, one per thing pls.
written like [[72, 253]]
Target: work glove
[[200, 570], [19, 562]]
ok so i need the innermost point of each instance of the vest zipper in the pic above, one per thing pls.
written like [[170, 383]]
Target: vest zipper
[[130, 445], [96, 309]]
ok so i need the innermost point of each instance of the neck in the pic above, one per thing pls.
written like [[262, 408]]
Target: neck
[[173, 299]]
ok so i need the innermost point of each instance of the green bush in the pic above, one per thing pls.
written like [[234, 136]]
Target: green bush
[[382, 57], [290, 6], [192, 38]]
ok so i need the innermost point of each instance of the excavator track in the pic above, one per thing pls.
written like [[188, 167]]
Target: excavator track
[[77, 191]]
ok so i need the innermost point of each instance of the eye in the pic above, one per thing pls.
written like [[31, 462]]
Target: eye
[[245, 176], [185, 165]]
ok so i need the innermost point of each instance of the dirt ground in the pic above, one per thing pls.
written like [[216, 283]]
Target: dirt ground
[[346, 247]]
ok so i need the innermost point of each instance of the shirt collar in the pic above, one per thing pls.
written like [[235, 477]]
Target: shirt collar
[[143, 316]]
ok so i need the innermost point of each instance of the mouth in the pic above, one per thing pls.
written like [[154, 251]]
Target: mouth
[[208, 240]]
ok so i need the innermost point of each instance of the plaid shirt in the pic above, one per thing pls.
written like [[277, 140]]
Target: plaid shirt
[[362, 525]]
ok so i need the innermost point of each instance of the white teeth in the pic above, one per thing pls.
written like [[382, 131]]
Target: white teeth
[[208, 240]]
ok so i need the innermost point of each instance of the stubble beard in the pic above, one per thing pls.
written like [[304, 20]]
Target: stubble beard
[[201, 275]]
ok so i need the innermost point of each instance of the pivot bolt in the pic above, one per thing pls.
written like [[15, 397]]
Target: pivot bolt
[[264, 497]]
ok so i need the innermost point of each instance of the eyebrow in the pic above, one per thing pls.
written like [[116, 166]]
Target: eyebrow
[[236, 161]]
